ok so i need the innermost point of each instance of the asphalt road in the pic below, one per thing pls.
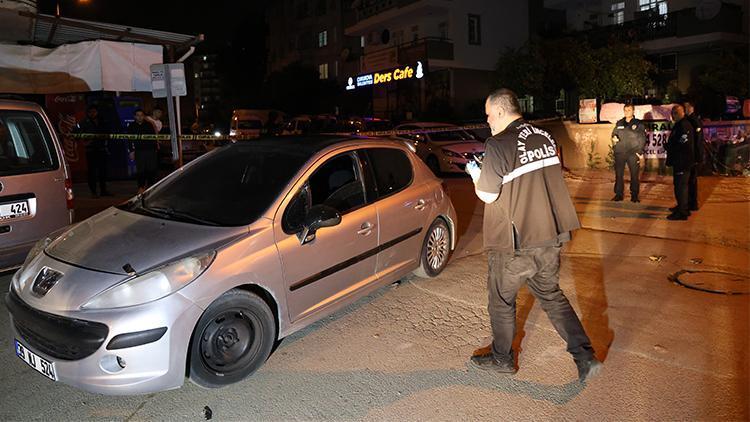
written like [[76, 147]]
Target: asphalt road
[[670, 353]]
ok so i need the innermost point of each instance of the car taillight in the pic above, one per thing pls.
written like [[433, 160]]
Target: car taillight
[[69, 193]]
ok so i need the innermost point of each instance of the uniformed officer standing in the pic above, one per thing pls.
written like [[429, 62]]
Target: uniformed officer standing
[[699, 149], [528, 215], [681, 158], [629, 136]]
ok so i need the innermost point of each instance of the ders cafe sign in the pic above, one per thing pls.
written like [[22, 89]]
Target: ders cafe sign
[[397, 74]]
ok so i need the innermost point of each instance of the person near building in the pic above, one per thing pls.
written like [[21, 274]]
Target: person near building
[[681, 157], [96, 151], [528, 216], [155, 119], [629, 138], [146, 151], [699, 149]]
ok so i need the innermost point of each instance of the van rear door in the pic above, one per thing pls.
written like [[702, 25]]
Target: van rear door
[[33, 192]]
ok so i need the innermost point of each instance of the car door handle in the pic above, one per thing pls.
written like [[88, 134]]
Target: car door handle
[[421, 204], [365, 229]]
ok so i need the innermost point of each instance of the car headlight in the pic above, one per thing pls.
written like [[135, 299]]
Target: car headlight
[[153, 285], [449, 153]]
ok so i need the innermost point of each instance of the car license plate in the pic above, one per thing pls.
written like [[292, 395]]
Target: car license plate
[[14, 210], [43, 366]]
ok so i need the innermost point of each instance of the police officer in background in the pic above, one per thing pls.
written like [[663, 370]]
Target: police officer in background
[[528, 215], [699, 150], [96, 151], [629, 137], [681, 157]]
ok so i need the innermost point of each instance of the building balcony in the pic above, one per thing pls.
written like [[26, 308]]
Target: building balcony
[[686, 23], [423, 49], [375, 14]]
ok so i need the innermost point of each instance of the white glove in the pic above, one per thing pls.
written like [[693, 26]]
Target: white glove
[[473, 169]]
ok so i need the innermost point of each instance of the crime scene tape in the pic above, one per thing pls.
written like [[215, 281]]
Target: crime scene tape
[[207, 137]]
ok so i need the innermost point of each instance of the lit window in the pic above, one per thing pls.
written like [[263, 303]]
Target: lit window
[[323, 71], [322, 39], [475, 30], [659, 5], [362, 41], [618, 13]]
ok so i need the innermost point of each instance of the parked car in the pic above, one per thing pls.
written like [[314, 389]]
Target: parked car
[[203, 273], [36, 195], [444, 148]]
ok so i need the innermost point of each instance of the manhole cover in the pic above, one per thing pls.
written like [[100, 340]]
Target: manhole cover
[[713, 281]]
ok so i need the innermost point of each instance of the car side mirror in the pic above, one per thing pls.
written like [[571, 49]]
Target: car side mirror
[[317, 217]]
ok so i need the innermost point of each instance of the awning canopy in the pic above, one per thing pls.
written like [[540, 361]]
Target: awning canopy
[[27, 27]]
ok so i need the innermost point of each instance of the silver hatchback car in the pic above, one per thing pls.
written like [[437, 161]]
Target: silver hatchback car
[[206, 271]]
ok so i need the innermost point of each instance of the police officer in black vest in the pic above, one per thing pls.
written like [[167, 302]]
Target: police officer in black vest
[[681, 157], [528, 216], [699, 149], [629, 136]]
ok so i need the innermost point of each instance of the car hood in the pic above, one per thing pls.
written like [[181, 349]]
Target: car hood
[[462, 146], [113, 238]]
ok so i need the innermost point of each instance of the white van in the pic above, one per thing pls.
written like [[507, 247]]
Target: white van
[[245, 123]]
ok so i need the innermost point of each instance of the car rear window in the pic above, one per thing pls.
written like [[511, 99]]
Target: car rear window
[[25, 144], [392, 170], [451, 135]]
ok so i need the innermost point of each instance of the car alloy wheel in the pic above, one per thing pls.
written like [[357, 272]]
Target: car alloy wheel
[[435, 250]]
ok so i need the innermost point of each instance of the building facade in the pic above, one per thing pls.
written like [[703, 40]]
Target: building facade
[[678, 35], [434, 57]]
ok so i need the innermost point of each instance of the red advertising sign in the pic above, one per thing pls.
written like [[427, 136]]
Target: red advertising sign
[[65, 111]]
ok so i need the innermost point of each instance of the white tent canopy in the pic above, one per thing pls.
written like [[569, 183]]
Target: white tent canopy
[[81, 67]]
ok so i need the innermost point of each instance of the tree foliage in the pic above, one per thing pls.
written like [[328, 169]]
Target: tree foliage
[[543, 68]]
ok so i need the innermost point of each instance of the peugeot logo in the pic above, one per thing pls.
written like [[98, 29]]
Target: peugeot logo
[[45, 280]]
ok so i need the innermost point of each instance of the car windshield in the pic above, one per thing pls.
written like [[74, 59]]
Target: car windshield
[[249, 124], [451, 135], [231, 186]]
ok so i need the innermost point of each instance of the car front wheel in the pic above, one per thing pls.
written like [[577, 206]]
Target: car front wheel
[[435, 250], [233, 338]]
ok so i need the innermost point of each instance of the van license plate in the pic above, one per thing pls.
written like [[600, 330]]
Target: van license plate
[[41, 365], [13, 210]]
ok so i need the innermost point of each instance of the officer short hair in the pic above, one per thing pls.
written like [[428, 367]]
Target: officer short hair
[[506, 99], [139, 110], [628, 106]]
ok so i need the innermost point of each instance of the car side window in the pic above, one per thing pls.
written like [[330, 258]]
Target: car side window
[[391, 168], [337, 184]]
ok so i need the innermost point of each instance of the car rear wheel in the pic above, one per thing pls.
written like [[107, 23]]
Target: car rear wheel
[[233, 338], [435, 250], [433, 164]]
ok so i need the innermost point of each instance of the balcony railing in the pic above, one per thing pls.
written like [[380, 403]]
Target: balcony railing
[[368, 8], [407, 53], [682, 23]]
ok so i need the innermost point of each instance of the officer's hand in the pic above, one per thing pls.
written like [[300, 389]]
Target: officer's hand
[[473, 169], [615, 139], [639, 154]]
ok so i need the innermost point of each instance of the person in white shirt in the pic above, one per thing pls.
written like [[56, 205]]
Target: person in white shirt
[[155, 119]]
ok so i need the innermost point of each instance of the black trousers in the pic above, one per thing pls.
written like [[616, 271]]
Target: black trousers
[[681, 181], [146, 167], [693, 187], [634, 166], [97, 168], [539, 268]]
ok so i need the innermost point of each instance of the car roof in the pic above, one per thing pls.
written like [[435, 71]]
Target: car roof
[[19, 105], [309, 145], [428, 124]]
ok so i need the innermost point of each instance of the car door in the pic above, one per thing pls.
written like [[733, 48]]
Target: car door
[[340, 259], [403, 207]]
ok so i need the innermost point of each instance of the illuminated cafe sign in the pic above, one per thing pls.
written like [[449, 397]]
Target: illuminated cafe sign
[[381, 77]]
